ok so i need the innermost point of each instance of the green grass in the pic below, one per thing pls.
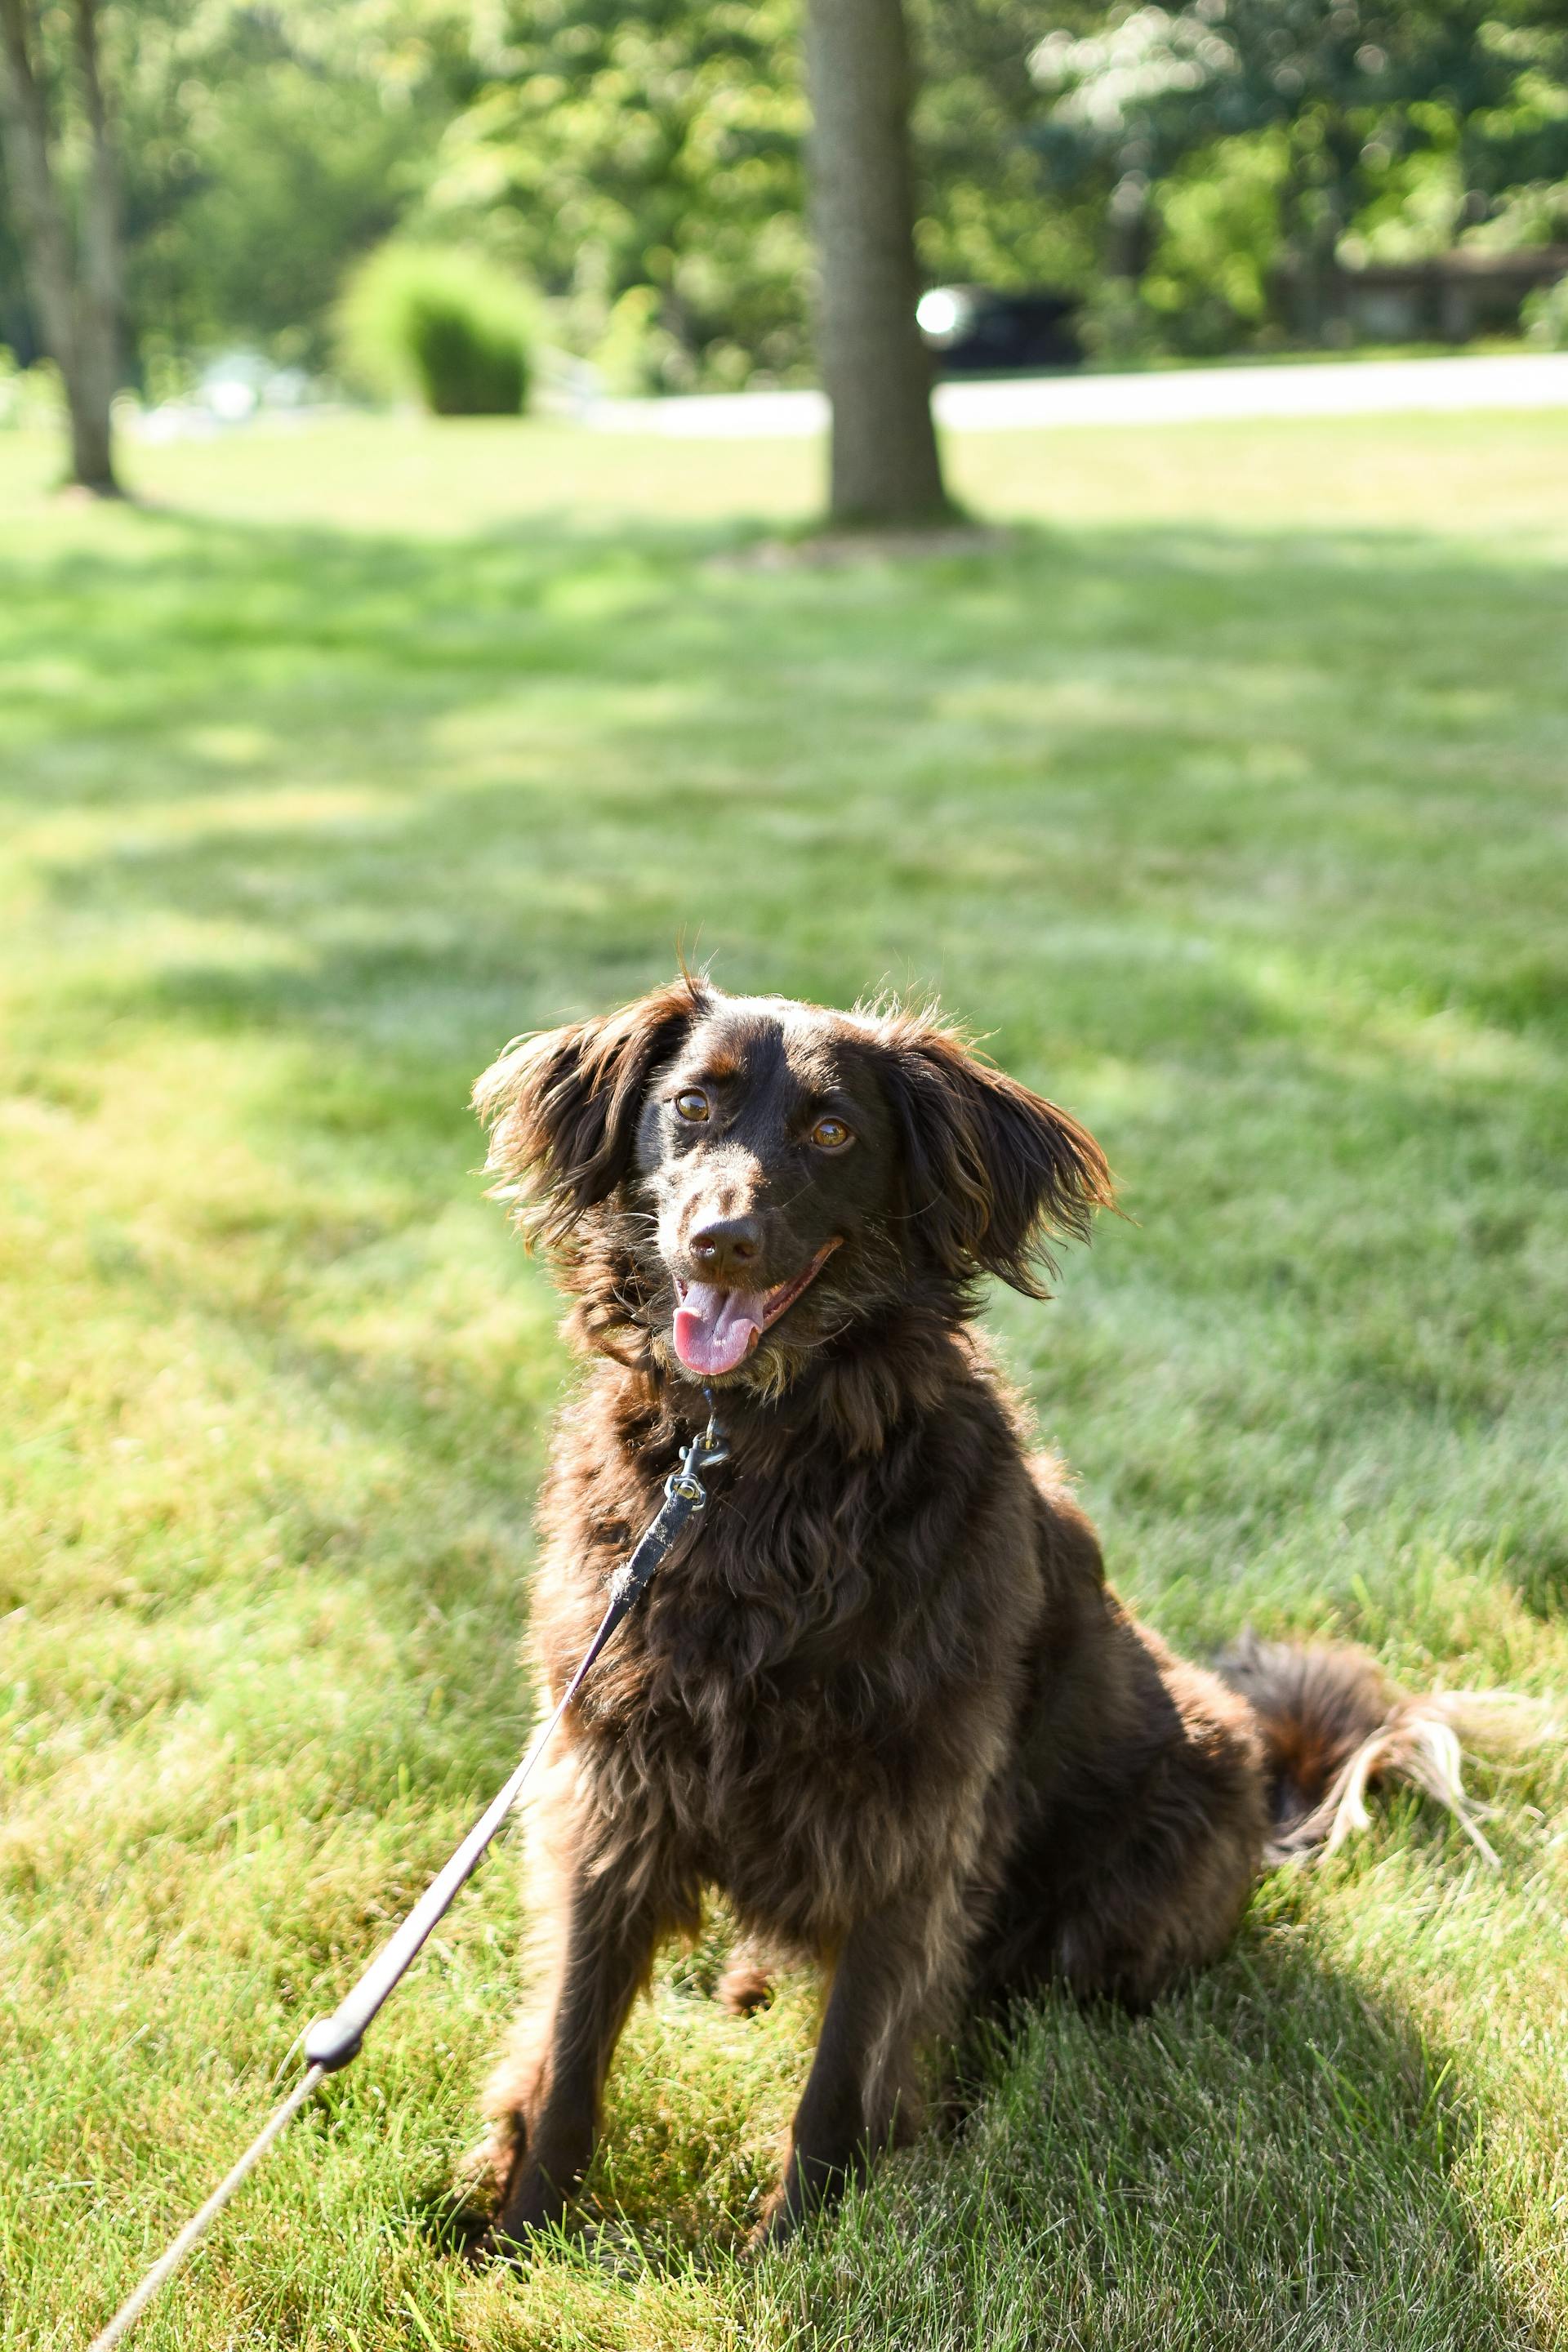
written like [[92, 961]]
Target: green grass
[[1229, 797]]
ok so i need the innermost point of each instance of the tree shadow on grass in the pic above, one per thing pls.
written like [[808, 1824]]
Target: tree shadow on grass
[[533, 753], [284, 617]]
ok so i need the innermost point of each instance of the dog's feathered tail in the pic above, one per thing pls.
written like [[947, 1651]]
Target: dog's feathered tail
[[1334, 1726]]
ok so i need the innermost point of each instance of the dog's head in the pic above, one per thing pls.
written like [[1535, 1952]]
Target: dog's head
[[747, 1179]]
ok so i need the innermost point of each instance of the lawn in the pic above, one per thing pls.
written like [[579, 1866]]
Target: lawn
[[1227, 795]]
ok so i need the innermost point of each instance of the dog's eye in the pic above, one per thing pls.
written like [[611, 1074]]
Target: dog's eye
[[692, 1105], [831, 1135]]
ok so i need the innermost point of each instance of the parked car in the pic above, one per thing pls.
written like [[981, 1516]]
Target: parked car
[[984, 330]]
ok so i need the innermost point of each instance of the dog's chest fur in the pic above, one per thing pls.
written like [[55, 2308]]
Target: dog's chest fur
[[811, 1707]]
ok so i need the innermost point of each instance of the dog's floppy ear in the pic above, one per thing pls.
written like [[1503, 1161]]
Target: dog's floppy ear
[[561, 1106], [991, 1171]]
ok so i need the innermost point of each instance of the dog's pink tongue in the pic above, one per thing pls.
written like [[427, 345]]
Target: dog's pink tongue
[[717, 1329]]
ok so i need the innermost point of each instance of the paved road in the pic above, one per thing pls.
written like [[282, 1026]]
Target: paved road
[[1326, 388]]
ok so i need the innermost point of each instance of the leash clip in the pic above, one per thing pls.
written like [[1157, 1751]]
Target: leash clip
[[704, 1453], [684, 1496]]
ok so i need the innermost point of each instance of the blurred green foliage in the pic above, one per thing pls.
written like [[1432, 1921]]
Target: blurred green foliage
[[1254, 145], [264, 149], [643, 165], [997, 209], [1194, 172]]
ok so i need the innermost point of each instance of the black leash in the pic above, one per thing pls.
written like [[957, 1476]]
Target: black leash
[[334, 2041]]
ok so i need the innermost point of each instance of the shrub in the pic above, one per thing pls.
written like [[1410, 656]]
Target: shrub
[[1545, 317], [441, 323], [30, 396]]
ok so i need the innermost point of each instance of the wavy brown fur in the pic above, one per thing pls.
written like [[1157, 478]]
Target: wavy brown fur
[[886, 1701]]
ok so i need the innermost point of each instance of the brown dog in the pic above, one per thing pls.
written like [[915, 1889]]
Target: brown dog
[[885, 1701]]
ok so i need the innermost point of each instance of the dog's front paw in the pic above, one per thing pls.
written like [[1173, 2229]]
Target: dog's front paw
[[495, 2246], [489, 2180], [782, 2221], [527, 2207]]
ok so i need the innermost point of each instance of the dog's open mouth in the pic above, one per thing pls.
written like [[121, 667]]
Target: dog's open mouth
[[716, 1329]]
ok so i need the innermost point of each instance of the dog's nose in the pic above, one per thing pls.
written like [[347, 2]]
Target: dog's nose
[[725, 1246]]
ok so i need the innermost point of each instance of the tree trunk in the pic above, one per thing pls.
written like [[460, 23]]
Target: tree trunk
[[100, 292], [79, 308], [885, 467]]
